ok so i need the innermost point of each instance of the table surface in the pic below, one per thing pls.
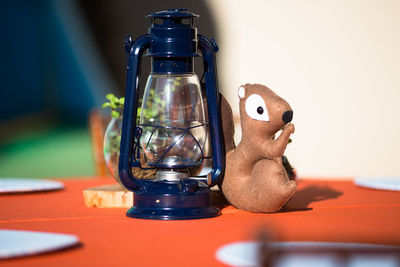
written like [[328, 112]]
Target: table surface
[[321, 210]]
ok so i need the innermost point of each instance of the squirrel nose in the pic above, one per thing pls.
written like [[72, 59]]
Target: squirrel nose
[[287, 116]]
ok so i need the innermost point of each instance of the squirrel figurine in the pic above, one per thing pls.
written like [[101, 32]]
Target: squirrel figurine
[[255, 178]]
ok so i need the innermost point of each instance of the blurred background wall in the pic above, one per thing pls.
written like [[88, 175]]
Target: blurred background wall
[[59, 58], [51, 77], [336, 62]]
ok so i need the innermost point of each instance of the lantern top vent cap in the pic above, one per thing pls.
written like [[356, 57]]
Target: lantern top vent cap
[[173, 13]]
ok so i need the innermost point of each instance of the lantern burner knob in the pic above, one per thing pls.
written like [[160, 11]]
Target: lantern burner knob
[[189, 185]]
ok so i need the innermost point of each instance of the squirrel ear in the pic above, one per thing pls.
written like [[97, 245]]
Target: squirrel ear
[[241, 92]]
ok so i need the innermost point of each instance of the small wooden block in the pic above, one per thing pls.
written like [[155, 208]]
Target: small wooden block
[[108, 196], [115, 196]]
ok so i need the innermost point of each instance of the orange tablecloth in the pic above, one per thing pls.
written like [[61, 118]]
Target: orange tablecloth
[[320, 211]]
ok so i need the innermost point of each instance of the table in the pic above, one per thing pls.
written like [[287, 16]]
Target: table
[[321, 210]]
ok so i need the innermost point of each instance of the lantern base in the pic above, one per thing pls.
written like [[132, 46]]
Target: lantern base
[[183, 200], [173, 213]]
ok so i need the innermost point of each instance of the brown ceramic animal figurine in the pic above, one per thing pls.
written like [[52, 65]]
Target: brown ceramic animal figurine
[[255, 179]]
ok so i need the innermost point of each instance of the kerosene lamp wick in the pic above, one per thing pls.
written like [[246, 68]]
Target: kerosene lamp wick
[[172, 174]]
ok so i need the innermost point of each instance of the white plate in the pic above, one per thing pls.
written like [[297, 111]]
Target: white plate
[[382, 183], [21, 185], [322, 254], [24, 243]]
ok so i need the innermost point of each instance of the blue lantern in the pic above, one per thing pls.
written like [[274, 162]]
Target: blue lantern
[[172, 130]]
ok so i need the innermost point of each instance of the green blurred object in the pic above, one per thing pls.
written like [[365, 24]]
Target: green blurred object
[[48, 153]]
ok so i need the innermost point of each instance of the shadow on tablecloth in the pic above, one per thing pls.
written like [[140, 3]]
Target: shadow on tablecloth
[[305, 196]]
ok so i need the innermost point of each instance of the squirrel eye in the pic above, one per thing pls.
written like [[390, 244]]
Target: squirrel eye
[[256, 108]]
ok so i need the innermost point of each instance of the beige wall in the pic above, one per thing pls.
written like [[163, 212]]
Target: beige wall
[[336, 62]]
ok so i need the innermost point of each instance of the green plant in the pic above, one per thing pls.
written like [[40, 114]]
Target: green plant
[[112, 139], [156, 99], [115, 104], [154, 105]]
